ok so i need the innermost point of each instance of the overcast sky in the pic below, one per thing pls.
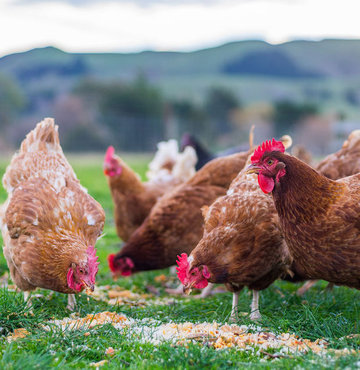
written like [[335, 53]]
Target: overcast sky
[[124, 25]]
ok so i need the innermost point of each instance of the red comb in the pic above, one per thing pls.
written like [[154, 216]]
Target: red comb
[[109, 153], [267, 146], [111, 262], [183, 266]]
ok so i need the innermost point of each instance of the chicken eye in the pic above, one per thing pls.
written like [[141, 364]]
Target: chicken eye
[[81, 271], [270, 162]]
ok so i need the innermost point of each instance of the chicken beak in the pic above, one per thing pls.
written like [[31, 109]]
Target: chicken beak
[[106, 169], [88, 286], [252, 168], [188, 288]]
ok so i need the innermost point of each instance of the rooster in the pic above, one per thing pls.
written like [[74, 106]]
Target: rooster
[[134, 199], [319, 217], [175, 224], [49, 223]]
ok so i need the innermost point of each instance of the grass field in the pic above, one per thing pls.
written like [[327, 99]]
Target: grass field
[[319, 314]]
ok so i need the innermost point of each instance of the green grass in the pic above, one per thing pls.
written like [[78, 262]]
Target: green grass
[[320, 314]]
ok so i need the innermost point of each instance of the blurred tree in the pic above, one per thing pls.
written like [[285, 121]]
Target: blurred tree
[[84, 138], [138, 99], [287, 114], [12, 101], [352, 96], [219, 104], [77, 125], [132, 112], [191, 118]]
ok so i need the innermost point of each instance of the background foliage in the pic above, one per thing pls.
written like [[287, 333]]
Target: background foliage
[[135, 100]]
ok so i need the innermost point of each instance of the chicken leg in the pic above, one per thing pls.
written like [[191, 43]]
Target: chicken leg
[[27, 299], [302, 290], [71, 302], [234, 309], [255, 313], [309, 284]]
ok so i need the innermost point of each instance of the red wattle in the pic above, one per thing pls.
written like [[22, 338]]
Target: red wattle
[[266, 183], [202, 284], [111, 262]]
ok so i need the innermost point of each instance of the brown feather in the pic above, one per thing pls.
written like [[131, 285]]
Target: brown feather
[[49, 220], [319, 218], [134, 199], [175, 224], [345, 162], [242, 244]]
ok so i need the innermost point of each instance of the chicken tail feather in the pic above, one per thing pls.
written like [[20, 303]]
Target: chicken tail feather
[[44, 137]]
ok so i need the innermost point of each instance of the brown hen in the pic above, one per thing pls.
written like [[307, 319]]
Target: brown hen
[[175, 224], [241, 246], [319, 217], [344, 162], [49, 223], [133, 199]]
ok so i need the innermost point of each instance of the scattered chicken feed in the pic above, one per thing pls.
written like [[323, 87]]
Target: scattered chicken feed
[[115, 295], [247, 338], [17, 334]]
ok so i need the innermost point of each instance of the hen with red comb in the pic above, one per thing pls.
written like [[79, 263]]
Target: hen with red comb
[[265, 166], [196, 277], [319, 217], [175, 224], [267, 146], [50, 223], [132, 198], [241, 246], [120, 266]]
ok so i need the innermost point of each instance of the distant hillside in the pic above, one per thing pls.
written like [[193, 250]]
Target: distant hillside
[[273, 63], [332, 58], [325, 72]]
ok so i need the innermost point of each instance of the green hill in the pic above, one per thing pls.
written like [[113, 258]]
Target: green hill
[[322, 71], [332, 58]]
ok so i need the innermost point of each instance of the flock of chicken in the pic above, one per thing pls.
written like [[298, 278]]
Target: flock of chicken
[[244, 219]]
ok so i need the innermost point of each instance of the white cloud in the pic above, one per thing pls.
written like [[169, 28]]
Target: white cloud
[[169, 25]]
